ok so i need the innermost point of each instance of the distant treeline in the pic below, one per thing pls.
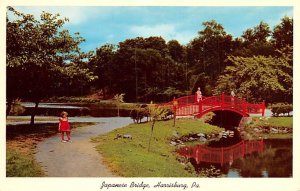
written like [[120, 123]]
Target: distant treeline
[[257, 65]]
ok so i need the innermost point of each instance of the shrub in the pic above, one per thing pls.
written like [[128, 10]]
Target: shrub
[[281, 108], [139, 112], [207, 118], [17, 109]]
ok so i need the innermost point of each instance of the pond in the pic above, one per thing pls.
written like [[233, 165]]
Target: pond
[[54, 109], [260, 158]]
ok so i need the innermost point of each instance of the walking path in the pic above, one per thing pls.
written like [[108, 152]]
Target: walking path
[[78, 158]]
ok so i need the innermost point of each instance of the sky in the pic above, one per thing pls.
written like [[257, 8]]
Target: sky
[[113, 24]]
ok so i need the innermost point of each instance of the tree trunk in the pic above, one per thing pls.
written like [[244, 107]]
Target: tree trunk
[[152, 128], [8, 108], [34, 113]]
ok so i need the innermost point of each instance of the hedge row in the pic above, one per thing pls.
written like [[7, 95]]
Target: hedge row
[[281, 108]]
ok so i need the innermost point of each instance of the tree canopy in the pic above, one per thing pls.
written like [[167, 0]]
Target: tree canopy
[[42, 59]]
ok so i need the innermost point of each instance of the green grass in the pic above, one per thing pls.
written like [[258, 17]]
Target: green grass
[[112, 105], [273, 122], [130, 158], [21, 141], [16, 119], [21, 165], [280, 122]]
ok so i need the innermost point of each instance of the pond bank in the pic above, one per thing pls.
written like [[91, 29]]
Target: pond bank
[[131, 158]]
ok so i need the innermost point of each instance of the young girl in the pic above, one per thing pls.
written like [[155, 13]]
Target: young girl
[[64, 126]]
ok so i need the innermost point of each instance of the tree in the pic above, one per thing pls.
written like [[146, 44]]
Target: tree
[[257, 78], [42, 55], [255, 41], [142, 68], [119, 99], [102, 66], [259, 33], [155, 114], [282, 35], [176, 51], [207, 53]]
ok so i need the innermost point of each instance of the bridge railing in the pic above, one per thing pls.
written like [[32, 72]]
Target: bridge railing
[[202, 153], [188, 105]]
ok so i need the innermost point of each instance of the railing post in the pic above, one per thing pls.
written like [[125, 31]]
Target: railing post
[[261, 145], [244, 106], [223, 98], [199, 153], [263, 108], [196, 98], [243, 148], [174, 110], [222, 156], [200, 106]]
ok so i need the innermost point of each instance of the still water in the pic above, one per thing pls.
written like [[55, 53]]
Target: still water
[[274, 161], [54, 109]]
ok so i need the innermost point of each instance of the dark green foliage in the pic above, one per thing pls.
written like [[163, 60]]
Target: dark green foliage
[[148, 69], [281, 108], [16, 109], [257, 78], [139, 112], [43, 59]]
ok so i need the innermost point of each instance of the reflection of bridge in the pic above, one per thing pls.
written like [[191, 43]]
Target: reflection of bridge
[[202, 153], [188, 105]]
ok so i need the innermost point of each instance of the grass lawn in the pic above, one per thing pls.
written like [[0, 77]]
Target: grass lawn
[[16, 119], [280, 122], [131, 158], [273, 122], [21, 141]]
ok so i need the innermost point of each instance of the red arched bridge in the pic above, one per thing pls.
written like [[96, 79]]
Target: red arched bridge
[[202, 153], [188, 105]]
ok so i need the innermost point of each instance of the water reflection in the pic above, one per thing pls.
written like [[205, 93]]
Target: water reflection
[[274, 161]]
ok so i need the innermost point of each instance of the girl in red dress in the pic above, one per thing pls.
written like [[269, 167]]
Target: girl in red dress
[[64, 126]]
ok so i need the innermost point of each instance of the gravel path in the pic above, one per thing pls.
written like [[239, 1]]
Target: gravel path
[[78, 158]]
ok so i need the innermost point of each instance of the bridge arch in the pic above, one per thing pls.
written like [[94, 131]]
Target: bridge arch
[[222, 109]]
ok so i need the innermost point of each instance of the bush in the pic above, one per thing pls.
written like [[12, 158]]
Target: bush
[[16, 109], [139, 112], [207, 118], [281, 108]]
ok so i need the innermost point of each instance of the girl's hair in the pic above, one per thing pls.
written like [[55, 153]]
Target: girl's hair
[[63, 113]]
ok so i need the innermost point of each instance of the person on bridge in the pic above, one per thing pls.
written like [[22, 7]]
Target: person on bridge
[[64, 127], [232, 93], [199, 95], [232, 97]]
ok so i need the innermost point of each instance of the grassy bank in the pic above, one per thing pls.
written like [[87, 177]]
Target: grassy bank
[[21, 141], [23, 119], [86, 100], [271, 128], [131, 158]]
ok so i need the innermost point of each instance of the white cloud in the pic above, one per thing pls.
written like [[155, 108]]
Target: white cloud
[[157, 30], [76, 15], [167, 31]]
